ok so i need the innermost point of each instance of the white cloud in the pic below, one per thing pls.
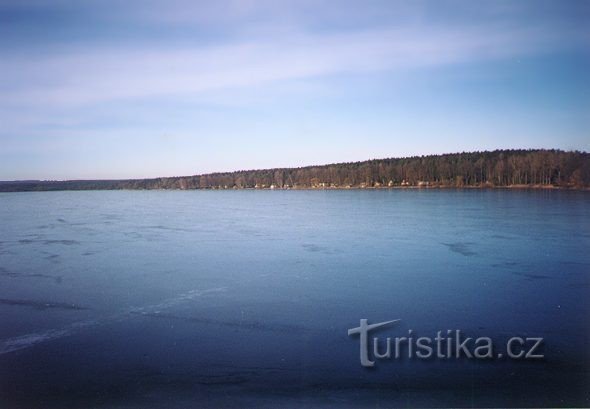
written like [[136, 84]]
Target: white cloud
[[95, 75]]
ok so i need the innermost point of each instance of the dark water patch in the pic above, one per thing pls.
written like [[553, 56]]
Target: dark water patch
[[574, 263], [64, 242], [463, 248], [532, 276], [12, 274], [168, 228], [501, 237], [61, 220], [250, 232], [505, 264], [250, 325], [111, 216], [41, 305], [49, 242], [314, 248], [54, 258]]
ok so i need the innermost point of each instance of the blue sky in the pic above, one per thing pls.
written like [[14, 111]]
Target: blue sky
[[125, 89]]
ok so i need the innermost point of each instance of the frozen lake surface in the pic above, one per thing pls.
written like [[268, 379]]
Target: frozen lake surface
[[244, 298]]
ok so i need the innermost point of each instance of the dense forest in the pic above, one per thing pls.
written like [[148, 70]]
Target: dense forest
[[500, 168]]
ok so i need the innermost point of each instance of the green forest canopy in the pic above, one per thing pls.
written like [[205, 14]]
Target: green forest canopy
[[533, 168]]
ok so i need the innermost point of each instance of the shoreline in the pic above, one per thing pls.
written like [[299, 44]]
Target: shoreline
[[443, 187]]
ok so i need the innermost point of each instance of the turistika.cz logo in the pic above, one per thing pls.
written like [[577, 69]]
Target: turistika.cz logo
[[449, 344]]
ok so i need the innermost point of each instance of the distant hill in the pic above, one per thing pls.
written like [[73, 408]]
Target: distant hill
[[500, 168]]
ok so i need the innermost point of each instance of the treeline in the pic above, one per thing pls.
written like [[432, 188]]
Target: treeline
[[500, 168]]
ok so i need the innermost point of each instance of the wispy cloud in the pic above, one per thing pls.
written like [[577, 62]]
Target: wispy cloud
[[113, 73]]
